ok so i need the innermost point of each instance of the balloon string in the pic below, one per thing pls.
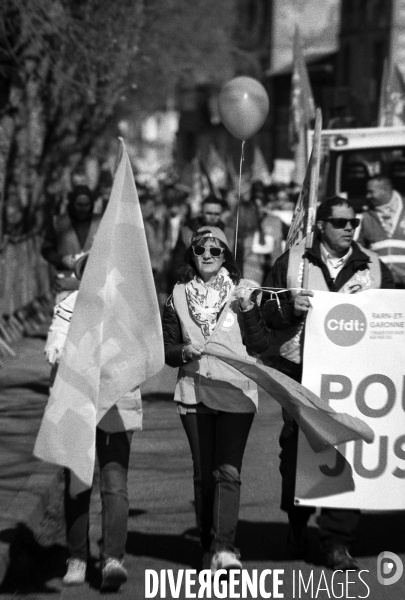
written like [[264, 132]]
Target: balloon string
[[239, 188]]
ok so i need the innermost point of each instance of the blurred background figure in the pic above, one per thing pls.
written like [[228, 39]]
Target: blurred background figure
[[102, 192], [154, 220], [382, 227], [68, 236], [260, 234]]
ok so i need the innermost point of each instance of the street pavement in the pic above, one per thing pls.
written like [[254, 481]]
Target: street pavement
[[161, 533]]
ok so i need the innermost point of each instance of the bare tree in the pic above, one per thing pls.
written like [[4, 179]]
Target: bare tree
[[67, 65]]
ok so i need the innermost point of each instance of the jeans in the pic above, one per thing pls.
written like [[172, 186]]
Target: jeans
[[217, 441], [336, 526], [113, 451]]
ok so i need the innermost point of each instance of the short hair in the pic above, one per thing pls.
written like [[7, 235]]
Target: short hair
[[381, 179], [212, 199], [326, 207], [188, 271]]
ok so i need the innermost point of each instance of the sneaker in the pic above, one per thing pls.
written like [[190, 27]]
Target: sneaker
[[225, 559], [339, 559], [113, 574], [297, 541], [76, 572]]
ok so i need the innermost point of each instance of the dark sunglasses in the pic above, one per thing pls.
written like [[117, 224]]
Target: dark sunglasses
[[200, 251], [341, 223]]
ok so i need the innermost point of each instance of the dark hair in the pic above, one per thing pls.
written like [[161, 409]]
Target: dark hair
[[326, 207], [79, 190], [188, 271], [212, 199]]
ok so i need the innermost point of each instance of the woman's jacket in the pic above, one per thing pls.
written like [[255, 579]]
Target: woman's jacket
[[209, 380]]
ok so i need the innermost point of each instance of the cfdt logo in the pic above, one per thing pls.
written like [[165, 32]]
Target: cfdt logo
[[345, 325], [389, 568]]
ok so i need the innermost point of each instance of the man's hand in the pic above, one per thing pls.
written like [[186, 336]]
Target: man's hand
[[302, 302]]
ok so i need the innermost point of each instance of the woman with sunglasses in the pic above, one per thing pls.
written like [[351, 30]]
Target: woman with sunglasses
[[215, 402]]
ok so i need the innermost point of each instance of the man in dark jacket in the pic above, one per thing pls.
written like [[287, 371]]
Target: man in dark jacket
[[337, 264]]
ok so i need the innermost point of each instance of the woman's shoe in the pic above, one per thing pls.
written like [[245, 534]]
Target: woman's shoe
[[225, 559], [76, 572]]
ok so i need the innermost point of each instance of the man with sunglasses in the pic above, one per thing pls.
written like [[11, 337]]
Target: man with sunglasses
[[337, 264]]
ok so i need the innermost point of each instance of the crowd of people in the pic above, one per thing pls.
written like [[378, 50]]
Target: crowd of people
[[170, 218], [205, 278]]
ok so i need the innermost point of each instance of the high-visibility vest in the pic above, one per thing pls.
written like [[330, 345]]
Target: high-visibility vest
[[390, 249], [210, 380]]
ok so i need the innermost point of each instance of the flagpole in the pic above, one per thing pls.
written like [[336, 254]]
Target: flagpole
[[383, 95], [313, 192]]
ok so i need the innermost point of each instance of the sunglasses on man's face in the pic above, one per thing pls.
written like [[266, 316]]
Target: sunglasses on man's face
[[214, 251], [341, 223]]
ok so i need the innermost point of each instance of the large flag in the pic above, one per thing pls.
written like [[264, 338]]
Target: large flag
[[115, 339], [302, 109], [323, 427], [392, 97]]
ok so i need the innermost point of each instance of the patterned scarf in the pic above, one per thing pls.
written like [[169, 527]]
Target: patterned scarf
[[207, 300]]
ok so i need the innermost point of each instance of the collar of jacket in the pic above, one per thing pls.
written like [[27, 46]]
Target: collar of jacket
[[357, 256]]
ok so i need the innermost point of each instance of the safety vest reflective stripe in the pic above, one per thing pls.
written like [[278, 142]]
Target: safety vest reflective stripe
[[385, 244], [392, 259]]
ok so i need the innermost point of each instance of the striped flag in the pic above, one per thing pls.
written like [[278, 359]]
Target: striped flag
[[322, 426], [115, 339]]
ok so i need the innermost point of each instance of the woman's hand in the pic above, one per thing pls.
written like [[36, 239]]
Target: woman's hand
[[244, 295], [191, 352], [302, 302]]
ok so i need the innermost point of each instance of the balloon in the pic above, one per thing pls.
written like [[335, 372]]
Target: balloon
[[243, 106]]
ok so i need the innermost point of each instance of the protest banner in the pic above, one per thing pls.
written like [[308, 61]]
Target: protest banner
[[354, 357]]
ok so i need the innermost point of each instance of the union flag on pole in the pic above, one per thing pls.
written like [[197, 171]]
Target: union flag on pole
[[302, 109], [392, 97], [304, 213], [115, 339], [302, 105]]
